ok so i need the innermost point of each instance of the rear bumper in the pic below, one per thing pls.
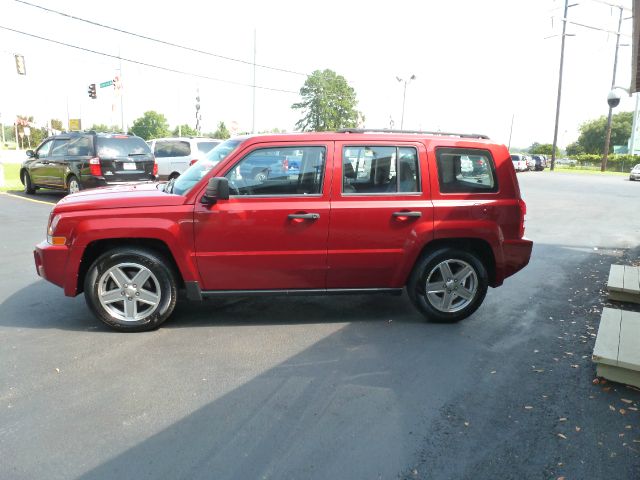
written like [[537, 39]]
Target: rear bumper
[[89, 181], [516, 255], [51, 262]]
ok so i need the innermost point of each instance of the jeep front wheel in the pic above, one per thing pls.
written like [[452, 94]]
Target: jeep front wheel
[[130, 290], [448, 285]]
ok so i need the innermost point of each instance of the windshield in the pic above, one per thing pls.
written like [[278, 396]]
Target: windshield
[[198, 170]]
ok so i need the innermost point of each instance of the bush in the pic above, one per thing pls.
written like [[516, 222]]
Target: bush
[[615, 163]]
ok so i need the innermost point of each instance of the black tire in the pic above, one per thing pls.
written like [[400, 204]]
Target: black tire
[[476, 283], [71, 181], [163, 285], [28, 185]]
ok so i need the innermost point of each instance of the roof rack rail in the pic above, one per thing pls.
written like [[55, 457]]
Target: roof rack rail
[[386, 130]]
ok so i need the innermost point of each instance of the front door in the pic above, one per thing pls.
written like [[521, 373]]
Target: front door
[[272, 232], [37, 168], [381, 211]]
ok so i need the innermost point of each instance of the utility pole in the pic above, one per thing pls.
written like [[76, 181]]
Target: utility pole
[[555, 131], [404, 96], [511, 131], [253, 121], [607, 138]]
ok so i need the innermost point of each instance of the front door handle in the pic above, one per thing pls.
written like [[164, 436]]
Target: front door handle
[[303, 216], [407, 214]]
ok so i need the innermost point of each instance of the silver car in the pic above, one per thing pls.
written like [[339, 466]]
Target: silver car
[[175, 155], [635, 173]]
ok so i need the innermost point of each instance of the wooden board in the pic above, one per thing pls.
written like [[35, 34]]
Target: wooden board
[[617, 348], [629, 349], [624, 283], [608, 339]]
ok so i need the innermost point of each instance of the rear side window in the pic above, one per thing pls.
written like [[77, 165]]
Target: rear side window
[[115, 147], [370, 170], [466, 171], [172, 148]]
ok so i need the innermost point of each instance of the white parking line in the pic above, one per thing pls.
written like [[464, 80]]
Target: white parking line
[[27, 199]]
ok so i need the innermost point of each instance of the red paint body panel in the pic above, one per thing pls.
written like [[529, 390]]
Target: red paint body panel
[[249, 243]]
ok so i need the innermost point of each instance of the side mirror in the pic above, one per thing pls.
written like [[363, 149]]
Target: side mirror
[[30, 153], [217, 189]]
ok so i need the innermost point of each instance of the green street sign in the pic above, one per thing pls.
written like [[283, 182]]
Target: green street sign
[[106, 84]]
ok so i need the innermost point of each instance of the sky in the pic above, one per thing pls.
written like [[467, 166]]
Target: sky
[[477, 65]]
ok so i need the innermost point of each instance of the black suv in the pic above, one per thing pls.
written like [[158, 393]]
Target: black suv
[[79, 160]]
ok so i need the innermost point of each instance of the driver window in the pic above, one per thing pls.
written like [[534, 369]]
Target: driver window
[[297, 170], [43, 151]]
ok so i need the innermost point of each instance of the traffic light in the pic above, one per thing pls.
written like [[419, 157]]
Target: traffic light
[[20, 66], [92, 91]]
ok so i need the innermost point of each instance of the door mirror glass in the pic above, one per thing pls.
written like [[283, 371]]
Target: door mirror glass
[[217, 189], [30, 153]]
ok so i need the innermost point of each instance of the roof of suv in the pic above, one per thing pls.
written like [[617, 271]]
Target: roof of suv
[[372, 134]]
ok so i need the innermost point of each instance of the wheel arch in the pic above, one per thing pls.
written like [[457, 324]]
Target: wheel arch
[[481, 248], [97, 247]]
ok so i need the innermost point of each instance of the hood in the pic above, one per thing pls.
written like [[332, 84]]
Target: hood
[[120, 196]]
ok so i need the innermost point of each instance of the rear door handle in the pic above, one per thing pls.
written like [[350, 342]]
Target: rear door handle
[[304, 216], [407, 214]]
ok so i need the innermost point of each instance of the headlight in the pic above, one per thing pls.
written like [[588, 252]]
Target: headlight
[[51, 230]]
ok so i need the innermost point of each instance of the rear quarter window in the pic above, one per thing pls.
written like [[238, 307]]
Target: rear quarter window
[[466, 171]]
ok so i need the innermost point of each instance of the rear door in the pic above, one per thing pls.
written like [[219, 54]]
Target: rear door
[[380, 212], [124, 158], [173, 157], [272, 233]]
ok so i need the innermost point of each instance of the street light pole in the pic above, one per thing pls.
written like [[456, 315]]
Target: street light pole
[[607, 138], [555, 131], [404, 96]]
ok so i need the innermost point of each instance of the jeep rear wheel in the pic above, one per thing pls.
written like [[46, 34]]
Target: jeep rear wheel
[[130, 290], [448, 285]]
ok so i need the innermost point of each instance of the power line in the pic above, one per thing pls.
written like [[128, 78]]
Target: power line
[[150, 65], [164, 42]]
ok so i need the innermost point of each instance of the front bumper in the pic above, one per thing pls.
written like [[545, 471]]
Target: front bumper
[[51, 262], [634, 176]]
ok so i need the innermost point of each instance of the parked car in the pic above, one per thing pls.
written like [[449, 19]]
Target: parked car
[[539, 162], [175, 155], [79, 160], [519, 162], [367, 212], [566, 161], [635, 173]]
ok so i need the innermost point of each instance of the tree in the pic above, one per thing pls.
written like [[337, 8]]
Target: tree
[[57, 124], [186, 131], [222, 132], [575, 149], [328, 103], [592, 133], [102, 128], [542, 148], [151, 125]]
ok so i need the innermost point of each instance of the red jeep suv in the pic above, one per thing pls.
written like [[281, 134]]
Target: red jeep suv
[[366, 212]]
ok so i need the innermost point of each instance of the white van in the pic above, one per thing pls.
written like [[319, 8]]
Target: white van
[[175, 155]]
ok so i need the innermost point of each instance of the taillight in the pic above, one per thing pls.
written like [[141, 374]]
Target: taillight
[[155, 169], [193, 161], [94, 167], [285, 164], [523, 213]]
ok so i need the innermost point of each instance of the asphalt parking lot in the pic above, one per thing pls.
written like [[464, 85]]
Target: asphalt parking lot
[[350, 387]]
